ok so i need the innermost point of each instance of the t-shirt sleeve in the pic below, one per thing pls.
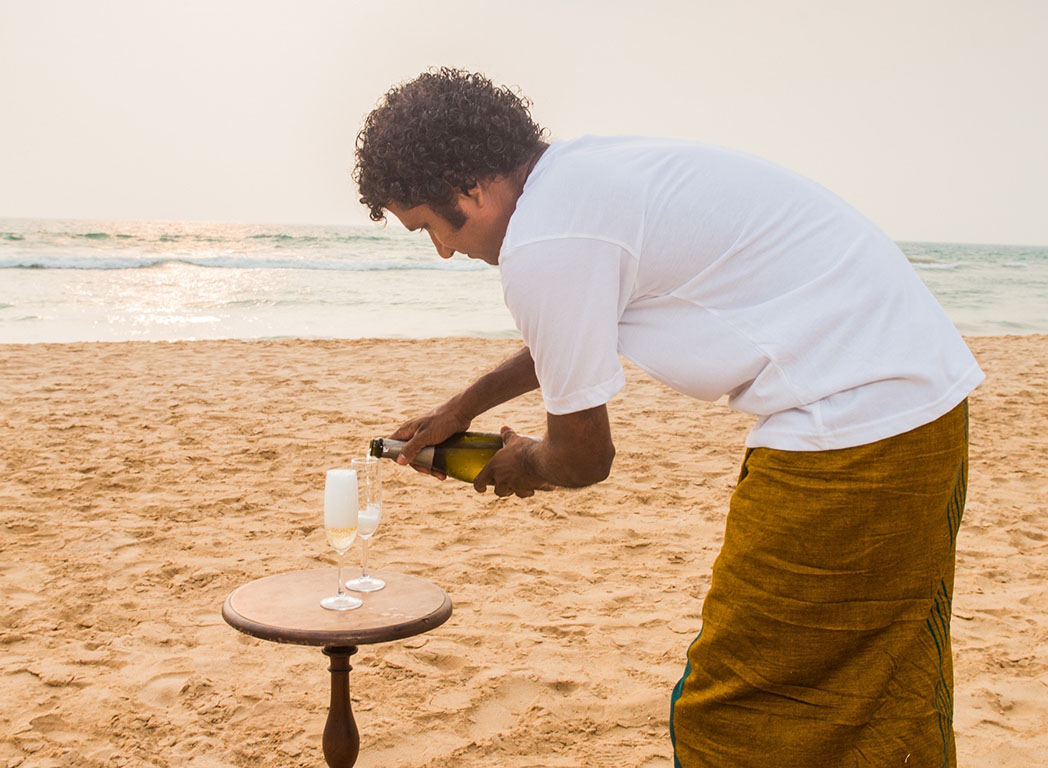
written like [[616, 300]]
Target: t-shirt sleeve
[[566, 295]]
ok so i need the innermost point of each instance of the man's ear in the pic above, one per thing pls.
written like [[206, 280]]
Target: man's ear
[[474, 197]]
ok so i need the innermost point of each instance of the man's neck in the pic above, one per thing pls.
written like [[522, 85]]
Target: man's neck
[[526, 169]]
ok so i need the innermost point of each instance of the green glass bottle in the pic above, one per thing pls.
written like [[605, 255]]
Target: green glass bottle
[[461, 456]]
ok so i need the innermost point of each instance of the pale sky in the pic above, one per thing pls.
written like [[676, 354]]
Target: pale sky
[[929, 116]]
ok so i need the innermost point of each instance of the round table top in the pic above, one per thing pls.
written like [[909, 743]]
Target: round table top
[[285, 608]]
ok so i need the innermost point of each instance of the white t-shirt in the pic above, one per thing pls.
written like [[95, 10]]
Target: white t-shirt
[[721, 273]]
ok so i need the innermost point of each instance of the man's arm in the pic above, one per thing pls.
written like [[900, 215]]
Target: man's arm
[[512, 378], [577, 451]]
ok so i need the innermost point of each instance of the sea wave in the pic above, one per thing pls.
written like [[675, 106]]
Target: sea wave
[[233, 240], [283, 237], [934, 265], [110, 262]]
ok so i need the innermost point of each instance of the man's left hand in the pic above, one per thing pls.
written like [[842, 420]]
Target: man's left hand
[[510, 470]]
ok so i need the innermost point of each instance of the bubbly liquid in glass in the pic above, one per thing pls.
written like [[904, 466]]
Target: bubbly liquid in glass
[[341, 538], [368, 519]]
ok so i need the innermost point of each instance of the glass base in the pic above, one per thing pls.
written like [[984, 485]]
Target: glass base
[[365, 584], [341, 603]]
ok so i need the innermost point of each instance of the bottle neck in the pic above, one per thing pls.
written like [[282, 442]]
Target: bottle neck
[[386, 448]]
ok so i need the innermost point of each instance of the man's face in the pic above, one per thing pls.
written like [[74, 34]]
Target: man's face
[[477, 238]]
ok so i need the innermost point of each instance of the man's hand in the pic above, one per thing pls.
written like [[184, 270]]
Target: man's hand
[[429, 429], [513, 377], [510, 470], [576, 452]]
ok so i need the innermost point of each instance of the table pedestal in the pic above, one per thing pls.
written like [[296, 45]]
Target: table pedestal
[[341, 738]]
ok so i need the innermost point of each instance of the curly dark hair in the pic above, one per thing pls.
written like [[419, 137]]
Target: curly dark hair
[[443, 131]]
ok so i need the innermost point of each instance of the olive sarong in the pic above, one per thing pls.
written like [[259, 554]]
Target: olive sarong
[[825, 635]]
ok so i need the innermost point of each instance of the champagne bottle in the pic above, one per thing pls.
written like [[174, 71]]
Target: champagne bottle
[[461, 456]]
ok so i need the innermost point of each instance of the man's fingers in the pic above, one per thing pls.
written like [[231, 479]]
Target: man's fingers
[[407, 430], [412, 447], [480, 482]]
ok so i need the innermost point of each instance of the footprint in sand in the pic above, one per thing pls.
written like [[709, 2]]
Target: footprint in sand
[[163, 690], [52, 727], [499, 713]]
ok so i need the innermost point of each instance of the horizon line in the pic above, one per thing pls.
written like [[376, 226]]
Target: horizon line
[[384, 225]]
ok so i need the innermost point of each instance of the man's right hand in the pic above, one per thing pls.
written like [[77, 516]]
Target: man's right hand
[[514, 376], [429, 429]]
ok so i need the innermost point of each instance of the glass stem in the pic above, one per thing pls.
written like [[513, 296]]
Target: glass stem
[[365, 558], [341, 590]]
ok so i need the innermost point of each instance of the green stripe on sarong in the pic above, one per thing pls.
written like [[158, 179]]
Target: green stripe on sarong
[[677, 689]]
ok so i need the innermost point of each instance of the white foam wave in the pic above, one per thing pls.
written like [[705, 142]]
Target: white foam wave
[[71, 261]]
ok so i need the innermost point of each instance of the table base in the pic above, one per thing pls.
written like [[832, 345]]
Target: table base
[[341, 738]]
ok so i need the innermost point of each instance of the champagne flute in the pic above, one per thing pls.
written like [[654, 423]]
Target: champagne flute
[[340, 526], [369, 472]]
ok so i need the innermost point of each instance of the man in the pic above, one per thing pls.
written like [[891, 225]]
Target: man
[[825, 637]]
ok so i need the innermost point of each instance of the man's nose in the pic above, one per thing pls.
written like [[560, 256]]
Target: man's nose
[[442, 250]]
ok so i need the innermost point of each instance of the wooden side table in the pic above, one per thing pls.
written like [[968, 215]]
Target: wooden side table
[[285, 608]]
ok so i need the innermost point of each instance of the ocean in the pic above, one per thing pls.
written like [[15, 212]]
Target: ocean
[[69, 281]]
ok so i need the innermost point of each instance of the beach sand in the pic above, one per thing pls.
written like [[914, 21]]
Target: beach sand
[[141, 483]]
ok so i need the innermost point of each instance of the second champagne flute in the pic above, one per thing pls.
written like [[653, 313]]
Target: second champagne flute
[[369, 472]]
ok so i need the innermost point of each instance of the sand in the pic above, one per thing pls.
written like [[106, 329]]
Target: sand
[[140, 483]]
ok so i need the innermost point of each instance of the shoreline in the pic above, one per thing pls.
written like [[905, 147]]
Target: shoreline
[[497, 336]]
